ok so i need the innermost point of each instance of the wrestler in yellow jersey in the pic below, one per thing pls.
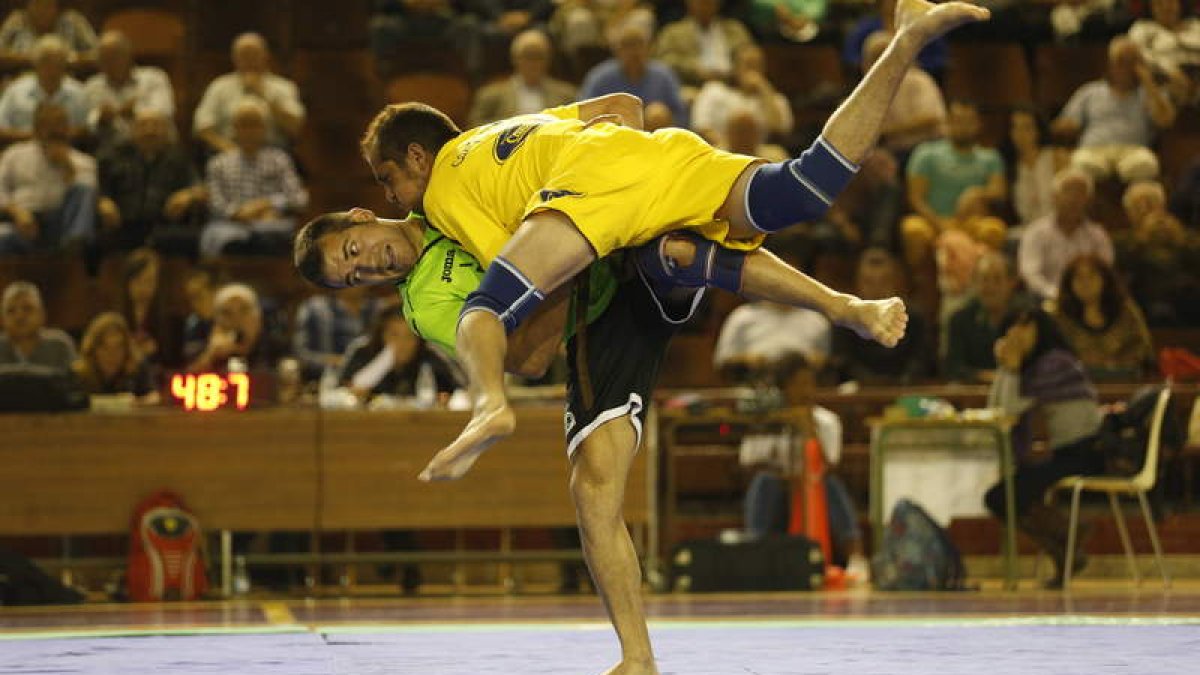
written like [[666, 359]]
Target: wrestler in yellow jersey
[[488, 179]]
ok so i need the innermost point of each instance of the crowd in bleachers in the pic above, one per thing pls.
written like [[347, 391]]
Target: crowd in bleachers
[[992, 185]]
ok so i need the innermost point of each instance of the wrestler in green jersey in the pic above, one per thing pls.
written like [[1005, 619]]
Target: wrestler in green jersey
[[445, 273]]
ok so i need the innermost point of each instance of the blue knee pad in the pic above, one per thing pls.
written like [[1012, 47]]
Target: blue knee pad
[[798, 190], [713, 264], [506, 293]]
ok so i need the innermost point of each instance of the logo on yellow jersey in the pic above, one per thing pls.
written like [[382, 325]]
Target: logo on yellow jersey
[[511, 138]]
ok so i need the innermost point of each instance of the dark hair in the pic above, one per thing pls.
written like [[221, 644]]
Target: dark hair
[[1008, 150], [1049, 337], [401, 124], [306, 254], [138, 261], [1112, 294]]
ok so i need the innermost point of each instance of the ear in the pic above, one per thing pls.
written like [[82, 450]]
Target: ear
[[417, 157]]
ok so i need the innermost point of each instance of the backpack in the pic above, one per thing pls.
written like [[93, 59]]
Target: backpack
[[916, 555], [166, 556]]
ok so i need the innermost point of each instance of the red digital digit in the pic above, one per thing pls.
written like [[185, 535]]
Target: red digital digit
[[183, 388], [241, 381]]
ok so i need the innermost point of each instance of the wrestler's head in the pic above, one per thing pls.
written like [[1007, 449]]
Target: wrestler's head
[[400, 145], [356, 248]]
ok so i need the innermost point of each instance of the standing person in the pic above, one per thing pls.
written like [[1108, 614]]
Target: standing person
[[589, 199]]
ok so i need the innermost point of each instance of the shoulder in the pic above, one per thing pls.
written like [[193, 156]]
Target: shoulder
[[222, 84], [495, 89], [152, 74], [223, 159], [82, 159], [660, 71], [22, 85], [58, 338]]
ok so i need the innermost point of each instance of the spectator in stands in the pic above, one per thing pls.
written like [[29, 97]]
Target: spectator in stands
[[253, 190], [941, 175], [918, 111], [529, 90], [871, 205], [751, 91], [975, 328], [400, 22], [700, 47], [199, 290], [326, 324], [110, 363], [48, 83], [507, 18], [47, 188], [1050, 243], [1033, 165], [1115, 119], [1100, 321], [857, 359], [142, 306], [214, 120], [1088, 19], [1171, 46], [122, 87], [1185, 200], [633, 71], [147, 184], [387, 359], [792, 20], [745, 134], [240, 331], [23, 28], [25, 338], [577, 24], [1160, 258], [932, 59], [1039, 376]]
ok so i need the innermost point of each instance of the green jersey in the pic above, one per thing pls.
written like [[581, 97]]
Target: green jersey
[[444, 275]]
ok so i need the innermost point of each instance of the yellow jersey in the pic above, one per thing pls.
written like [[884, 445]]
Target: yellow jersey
[[620, 186]]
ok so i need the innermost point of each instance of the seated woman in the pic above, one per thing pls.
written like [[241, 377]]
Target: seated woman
[[1038, 374], [1101, 323], [111, 363]]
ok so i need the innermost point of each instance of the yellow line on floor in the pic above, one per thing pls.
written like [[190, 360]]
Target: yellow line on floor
[[277, 613]]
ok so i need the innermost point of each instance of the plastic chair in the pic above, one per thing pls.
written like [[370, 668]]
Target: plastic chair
[[1138, 484]]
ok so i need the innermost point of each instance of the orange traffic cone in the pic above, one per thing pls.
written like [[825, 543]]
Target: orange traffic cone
[[810, 512]]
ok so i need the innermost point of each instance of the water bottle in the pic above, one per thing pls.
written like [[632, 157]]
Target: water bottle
[[241, 577], [425, 388]]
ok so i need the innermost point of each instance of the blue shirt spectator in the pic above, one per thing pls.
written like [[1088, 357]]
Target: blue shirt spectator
[[932, 59], [326, 325], [47, 83], [632, 72]]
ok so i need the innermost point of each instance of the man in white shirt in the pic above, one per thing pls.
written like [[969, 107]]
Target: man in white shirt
[[121, 86], [213, 122], [1050, 243], [47, 188], [48, 82]]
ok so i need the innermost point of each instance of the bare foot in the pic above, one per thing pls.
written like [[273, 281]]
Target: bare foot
[[881, 320], [923, 22], [487, 425], [633, 668]]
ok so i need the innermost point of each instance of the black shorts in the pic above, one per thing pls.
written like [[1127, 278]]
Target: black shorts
[[624, 348]]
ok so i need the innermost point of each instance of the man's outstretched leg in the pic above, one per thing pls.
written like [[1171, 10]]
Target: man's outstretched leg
[[598, 474], [771, 197]]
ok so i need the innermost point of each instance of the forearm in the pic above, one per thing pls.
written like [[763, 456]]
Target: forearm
[[854, 127], [1158, 105], [626, 106], [766, 277]]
